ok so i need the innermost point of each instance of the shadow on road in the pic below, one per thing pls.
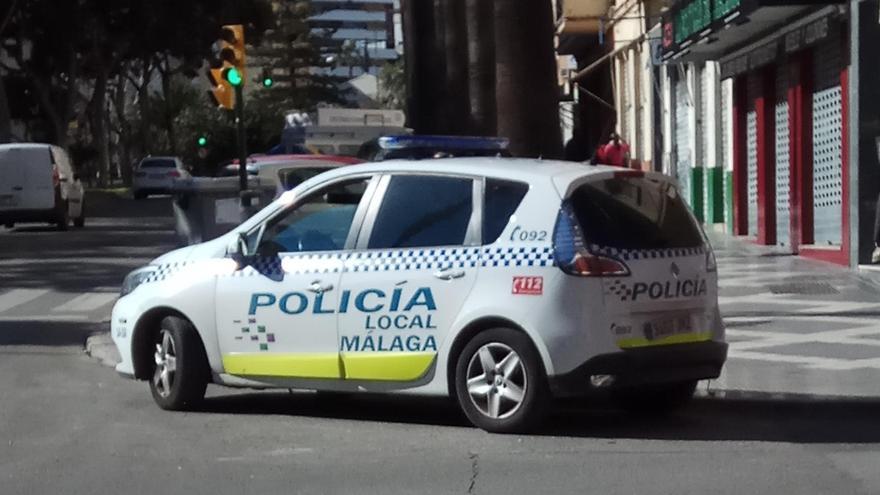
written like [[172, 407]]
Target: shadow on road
[[807, 422], [43, 333]]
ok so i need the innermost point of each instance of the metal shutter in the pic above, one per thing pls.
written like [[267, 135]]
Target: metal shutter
[[753, 91], [827, 144], [683, 153], [783, 178]]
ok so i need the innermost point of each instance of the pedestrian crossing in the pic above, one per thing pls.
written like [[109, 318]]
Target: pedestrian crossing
[[31, 304]]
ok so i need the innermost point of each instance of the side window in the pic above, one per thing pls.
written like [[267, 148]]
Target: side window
[[500, 201], [421, 211], [321, 222]]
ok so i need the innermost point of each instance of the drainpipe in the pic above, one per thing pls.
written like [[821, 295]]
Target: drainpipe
[[854, 133]]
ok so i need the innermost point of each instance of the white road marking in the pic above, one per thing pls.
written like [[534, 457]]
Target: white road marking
[[17, 297], [84, 303]]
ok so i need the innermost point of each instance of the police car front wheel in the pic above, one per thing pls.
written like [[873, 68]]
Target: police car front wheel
[[499, 381], [180, 374]]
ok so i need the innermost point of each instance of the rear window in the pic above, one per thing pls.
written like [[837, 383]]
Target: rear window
[[635, 213], [158, 163]]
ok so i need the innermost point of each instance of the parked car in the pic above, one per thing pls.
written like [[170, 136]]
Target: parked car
[[288, 171], [157, 175], [38, 184], [499, 282], [419, 147]]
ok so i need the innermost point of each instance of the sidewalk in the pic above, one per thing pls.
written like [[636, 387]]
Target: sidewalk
[[796, 326]]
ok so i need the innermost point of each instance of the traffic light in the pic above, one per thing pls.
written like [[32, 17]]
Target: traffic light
[[227, 71], [202, 141], [266, 78], [232, 53]]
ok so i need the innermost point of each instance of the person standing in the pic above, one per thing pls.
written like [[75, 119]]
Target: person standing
[[615, 152]]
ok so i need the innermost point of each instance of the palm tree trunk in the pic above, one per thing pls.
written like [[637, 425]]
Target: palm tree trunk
[[481, 66], [527, 94], [456, 44]]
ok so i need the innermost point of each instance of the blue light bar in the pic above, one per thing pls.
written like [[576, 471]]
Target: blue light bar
[[443, 142]]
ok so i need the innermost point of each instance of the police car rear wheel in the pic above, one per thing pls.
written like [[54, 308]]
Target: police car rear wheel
[[181, 372], [500, 383]]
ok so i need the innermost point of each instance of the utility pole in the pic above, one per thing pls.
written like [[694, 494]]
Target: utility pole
[[241, 142]]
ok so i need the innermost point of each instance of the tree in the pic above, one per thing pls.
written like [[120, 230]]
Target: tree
[[300, 69], [392, 85], [456, 48], [527, 95], [481, 66]]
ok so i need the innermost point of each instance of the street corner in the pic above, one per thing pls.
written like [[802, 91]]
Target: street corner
[[100, 347]]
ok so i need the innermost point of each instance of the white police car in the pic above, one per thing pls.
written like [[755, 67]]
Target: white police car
[[501, 282]]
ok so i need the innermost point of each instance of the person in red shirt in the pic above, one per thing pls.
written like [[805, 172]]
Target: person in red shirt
[[616, 152]]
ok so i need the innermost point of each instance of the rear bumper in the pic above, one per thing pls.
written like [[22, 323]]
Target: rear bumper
[[666, 364]]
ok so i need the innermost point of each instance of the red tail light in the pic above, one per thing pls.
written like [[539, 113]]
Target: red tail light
[[591, 265], [56, 176], [174, 173]]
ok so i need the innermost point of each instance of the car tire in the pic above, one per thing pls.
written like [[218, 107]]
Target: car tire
[[139, 195], [180, 366], [9, 225], [500, 382], [80, 221], [655, 399]]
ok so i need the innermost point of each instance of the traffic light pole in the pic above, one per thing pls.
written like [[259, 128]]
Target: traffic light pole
[[240, 138]]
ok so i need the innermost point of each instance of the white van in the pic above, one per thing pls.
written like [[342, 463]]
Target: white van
[[38, 184]]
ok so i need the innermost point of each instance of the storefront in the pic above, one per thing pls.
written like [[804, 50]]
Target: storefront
[[787, 116]]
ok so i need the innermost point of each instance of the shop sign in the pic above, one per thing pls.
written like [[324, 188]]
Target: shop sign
[[798, 39], [693, 17]]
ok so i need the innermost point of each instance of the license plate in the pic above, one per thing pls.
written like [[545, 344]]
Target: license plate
[[8, 200], [667, 327]]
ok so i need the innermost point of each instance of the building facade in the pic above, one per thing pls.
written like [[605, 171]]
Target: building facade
[[360, 36], [779, 74]]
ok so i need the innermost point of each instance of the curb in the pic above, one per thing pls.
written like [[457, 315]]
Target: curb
[[100, 347], [710, 392]]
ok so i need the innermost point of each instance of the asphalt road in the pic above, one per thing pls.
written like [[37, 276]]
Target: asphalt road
[[69, 425]]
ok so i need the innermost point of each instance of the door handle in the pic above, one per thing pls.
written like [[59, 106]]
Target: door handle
[[449, 274], [318, 288]]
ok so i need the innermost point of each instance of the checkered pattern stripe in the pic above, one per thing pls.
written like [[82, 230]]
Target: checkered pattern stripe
[[166, 270], [619, 288], [645, 254], [413, 259], [263, 266], [385, 261], [517, 256]]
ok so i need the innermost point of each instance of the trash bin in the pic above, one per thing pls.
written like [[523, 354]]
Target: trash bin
[[207, 207]]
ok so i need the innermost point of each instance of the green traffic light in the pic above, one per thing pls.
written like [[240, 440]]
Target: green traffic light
[[267, 82], [233, 76], [202, 141]]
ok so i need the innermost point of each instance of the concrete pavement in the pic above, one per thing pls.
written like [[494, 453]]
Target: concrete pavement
[[796, 326]]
